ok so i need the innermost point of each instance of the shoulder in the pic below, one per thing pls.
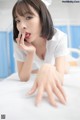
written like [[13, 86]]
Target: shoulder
[[19, 54], [18, 50], [59, 35], [15, 45], [59, 40]]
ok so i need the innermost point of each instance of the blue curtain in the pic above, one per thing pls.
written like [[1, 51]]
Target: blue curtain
[[7, 64], [75, 38], [3, 55], [11, 51], [63, 28]]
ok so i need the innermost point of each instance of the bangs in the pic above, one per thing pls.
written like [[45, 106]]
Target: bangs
[[21, 9]]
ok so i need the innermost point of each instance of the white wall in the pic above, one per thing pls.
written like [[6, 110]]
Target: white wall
[[5, 20], [65, 13], [6, 14]]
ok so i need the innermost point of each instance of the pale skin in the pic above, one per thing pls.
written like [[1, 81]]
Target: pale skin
[[49, 78]]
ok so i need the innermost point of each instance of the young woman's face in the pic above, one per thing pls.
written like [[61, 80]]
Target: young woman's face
[[30, 24]]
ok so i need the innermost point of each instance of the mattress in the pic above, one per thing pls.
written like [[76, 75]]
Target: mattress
[[16, 105]]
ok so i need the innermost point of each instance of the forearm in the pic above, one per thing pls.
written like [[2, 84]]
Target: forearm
[[60, 67], [60, 72], [26, 69]]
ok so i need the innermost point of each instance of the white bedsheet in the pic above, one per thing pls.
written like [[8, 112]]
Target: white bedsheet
[[17, 106]]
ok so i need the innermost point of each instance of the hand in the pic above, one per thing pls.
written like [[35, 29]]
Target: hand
[[24, 44], [48, 81]]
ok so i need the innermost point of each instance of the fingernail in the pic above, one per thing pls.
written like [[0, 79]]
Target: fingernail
[[37, 104], [29, 92], [64, 102], [55, 105]]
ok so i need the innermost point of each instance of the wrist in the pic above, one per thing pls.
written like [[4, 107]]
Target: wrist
[[32, 51], [31, 54]]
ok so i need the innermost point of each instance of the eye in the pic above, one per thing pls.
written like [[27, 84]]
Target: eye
[[17, 21], [29, 17]]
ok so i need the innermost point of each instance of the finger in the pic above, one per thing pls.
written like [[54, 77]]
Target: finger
[[58, 80], [18, 41], [50, 96], [22, 46], [58, 94], [22, 39], [59, 86], [19, 35], [39, 95], [33, 89]]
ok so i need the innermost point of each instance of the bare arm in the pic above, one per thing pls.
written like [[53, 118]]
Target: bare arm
[[60, 66], [25, 68]]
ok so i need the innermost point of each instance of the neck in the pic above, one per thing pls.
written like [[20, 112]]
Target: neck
[[39, 43]]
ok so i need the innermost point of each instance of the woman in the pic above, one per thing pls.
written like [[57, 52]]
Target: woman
[[40, 49]]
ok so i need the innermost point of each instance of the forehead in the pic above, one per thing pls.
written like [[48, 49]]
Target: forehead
[[22, 9]]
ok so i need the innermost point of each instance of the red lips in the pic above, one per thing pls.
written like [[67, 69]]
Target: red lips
[[27, 35]]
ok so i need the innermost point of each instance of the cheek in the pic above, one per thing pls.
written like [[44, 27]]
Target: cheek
[[38, 28], [36, 25]]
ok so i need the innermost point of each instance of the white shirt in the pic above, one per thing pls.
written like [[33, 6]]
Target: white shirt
[[55, 47]]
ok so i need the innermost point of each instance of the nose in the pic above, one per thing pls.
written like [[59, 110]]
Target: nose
[[23, 26]]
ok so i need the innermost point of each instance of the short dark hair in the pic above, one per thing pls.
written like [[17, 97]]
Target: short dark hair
[[22, 6]]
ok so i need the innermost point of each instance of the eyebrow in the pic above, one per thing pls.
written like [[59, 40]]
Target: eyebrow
[[25, 14]]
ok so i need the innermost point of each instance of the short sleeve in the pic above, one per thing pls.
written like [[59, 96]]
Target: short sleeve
[[19, 54], [61, 47]]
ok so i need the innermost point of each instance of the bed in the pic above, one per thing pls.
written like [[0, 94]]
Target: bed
[[16, 105]]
